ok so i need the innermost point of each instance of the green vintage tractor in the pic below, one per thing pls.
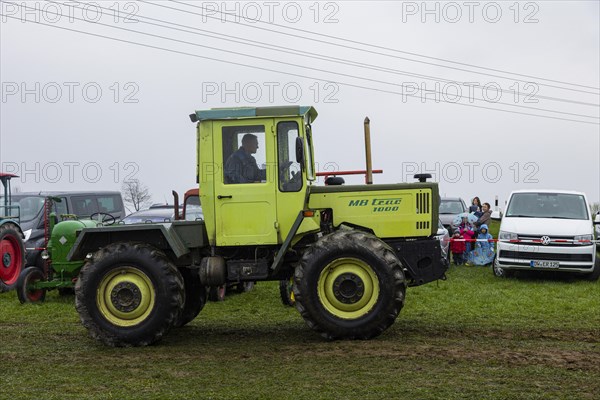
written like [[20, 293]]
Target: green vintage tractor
[[57, 273], [12, 248], [350, 250]]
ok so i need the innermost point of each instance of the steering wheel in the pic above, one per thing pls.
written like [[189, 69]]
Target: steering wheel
[[105, 218], [294, 183]]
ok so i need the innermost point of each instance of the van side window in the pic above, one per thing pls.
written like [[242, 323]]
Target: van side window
[[61, 208], [84, 206], [109, 204]]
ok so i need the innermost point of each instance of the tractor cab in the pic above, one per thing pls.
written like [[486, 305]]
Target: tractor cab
[[254, 166]]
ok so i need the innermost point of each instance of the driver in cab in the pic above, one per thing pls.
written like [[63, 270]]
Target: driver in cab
[[241, 166]]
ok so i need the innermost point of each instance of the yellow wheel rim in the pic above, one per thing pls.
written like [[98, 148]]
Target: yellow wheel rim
[[348, 288], [125, 296]]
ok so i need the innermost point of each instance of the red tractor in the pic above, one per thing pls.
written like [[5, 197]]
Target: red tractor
[[12, 248]]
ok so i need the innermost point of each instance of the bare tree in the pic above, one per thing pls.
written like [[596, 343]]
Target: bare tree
[[595, 207], [135, 194]]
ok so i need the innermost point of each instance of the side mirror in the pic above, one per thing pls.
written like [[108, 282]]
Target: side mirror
[[597, 219], [300, 151]]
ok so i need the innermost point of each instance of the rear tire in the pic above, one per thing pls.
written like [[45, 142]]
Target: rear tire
[[129, 294], [195, 297], [12, 256], [25, 292], [349, 285]]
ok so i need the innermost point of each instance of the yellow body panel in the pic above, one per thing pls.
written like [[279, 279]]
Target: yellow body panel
[[400, 210]]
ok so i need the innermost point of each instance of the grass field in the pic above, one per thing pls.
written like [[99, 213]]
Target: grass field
[[471, 336]]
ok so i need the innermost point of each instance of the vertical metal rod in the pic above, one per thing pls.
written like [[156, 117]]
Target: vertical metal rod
[[369, 175]]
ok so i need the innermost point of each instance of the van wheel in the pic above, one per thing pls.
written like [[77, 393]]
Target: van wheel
[[595, 274], [500, 272]]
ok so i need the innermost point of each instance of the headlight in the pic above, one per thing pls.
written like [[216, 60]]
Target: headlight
[[502, 235], [27, 234], [583, 239]]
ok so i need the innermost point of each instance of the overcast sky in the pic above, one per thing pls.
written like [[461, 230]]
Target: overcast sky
[[87, 112]]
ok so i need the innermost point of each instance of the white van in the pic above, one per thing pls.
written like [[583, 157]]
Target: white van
[[547, 230]]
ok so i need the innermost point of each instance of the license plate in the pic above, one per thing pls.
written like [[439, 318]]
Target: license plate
[[544, 264]]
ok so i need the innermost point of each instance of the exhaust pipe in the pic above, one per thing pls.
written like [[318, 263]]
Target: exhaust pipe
[[369, 175]]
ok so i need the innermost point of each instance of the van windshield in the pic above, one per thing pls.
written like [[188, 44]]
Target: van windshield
[[548, 205], [30, 206]]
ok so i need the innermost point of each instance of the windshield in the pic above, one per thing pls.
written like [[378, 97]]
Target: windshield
[[547, 205], [451, 207], [30, 206]]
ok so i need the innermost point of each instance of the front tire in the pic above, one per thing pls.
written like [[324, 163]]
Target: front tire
[[12, 256], [595, 274], [129, 294], [500, 272], [25, 292], [349, 285]]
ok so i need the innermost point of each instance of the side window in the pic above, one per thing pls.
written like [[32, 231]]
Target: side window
[[244, 154], [60, 208], [109, 204], [84, 206], [290, 176]]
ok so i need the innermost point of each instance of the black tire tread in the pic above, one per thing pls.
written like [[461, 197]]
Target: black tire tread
[[170, 278], [337, 242]]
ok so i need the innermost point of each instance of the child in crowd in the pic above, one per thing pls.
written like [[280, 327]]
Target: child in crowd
[[483, 253], [466, 231], [458, 248]]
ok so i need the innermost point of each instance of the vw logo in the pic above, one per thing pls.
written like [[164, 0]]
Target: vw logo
[[545, 240]]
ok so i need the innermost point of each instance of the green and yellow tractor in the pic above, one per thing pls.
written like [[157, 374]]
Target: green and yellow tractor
[[56, 272], [351, 250]]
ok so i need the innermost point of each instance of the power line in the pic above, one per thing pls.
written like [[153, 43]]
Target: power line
[[269, 46], [380, 47], [318, 69], [293, 74]]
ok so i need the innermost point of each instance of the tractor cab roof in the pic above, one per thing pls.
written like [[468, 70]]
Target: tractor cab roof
[[253, 112]]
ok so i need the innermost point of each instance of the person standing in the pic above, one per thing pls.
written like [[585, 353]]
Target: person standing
[[485, 216], [475, 207]]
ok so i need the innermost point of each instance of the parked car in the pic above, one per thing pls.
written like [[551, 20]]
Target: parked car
[[73, 204], [450, 207], [151, 215], [444, 237], [547, 230]]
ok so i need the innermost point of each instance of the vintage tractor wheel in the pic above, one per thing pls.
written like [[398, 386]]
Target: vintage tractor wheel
[[25, 292], [217, 293], [286, 293], [12, 256], [195, 297], [349, 285], [129, 294]]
